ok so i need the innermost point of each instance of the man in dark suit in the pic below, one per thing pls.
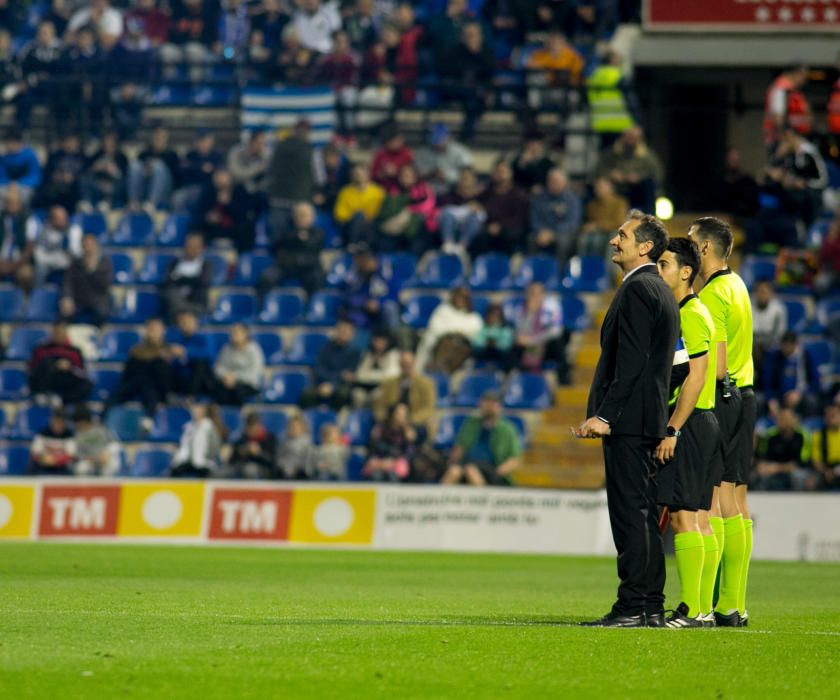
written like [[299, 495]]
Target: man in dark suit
[[628, 408]]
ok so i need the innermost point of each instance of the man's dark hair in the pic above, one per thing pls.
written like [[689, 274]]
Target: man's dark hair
[[789, 337], [687, 254], [252, 418], [710, 228], [650, 229]]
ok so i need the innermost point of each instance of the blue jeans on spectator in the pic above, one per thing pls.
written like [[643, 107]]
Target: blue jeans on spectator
[[458, 227], [149, 185]]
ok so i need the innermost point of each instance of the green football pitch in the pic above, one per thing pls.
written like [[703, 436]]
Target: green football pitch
[[88, 621]]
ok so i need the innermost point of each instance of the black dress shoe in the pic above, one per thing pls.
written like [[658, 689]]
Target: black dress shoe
[[612, 619], [656, 619], [732, 619]]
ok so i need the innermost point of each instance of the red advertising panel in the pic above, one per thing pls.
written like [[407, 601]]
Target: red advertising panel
[[743, 15], [78, 511], [250, 514]]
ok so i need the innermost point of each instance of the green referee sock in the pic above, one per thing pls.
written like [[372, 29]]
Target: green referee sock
[[716, 524], [732, 564], [689, 550], [745, 570], [711, 561]]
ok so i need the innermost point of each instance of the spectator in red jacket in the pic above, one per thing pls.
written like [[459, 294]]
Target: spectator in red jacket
[[388, 160], [53, 450], [57, 368]]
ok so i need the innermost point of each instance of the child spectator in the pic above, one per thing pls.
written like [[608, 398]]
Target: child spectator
[[53, 450], [494, 342], [329, 459], [97, 448], [391, 448], [200, 444], [255, 453], [294, 453]]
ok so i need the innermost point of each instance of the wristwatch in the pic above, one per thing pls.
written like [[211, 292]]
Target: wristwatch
[[671, 431]]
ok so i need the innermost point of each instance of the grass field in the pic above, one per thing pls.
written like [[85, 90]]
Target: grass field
[[88, 621]]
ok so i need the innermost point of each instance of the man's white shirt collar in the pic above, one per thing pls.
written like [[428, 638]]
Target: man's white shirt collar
[[636, 269]]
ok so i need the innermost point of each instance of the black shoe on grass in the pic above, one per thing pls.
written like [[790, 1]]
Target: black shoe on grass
[[680, 620]]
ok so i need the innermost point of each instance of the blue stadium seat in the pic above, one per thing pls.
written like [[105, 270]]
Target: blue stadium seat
[[587, 273], [448, 428], [418, 310], [249, 267], [827, 310], [115, 345], [797, 314], [489, 272], [212, 96], [286, 387], [317, 418], [221, 271], [154, 267], [357, 427], [275, 421], [11, 304], [480, 304], [528, 391], [338, 269], [473, 386], [520, 426], [758, 267], [124, 422], [170, 96], [323, 309], [234, 307], [398, 268], [575, 315], [42, 306], [169, 422], [104, 383], [305, 348], [13, 384], [134, 230], [93, 222], [355, 464], [215, 341], [282, 308], [28, 421], [272, 346], [332, 235], [123, 268], [537, 268], [14, 460], [442, 387], [173, 233], [150, 463], [23, 341], [821, 355], [138, 306], [232, 418], [263, 230], [813, 424], [441, 271], [511, 308]]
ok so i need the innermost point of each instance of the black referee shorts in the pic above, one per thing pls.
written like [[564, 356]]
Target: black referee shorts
[[686, 482], [729, 414], [743, 439]]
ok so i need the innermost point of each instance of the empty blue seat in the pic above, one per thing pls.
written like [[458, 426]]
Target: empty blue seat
[[150, 463], [418, 310], [537, 268], [441, 271], [232, 418], [138, 306], [797, 314], [586, 273], [169, 422], [23, 341], [282, 309], [93, 222], [125, 422], [332, 235], [42, 306], [323, 309], [480, 304], [215, 340], [442, 387], [28, 421], [317, 419], [104, 383], [398, 268], [154, 267], [357, 427], [448, 428], [170, 96], [473, 386], [758, 267], [11, 304], [286, 387], [339, 268], [275, 421], [13, 384], [134, 230], [213, 96], [220, 269], [490, 272], [520, 426], [234, 307], [575, 316], [527, 391], [263, 230], [249, 267], [305, 348], [116, 344], [14, 460], [173, 233], [122, 266]]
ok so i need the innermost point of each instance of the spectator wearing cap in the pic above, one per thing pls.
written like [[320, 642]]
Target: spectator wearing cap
[[227, 211], [357, 206], [238, 368], [195, 171], [369, 301], [247, 162], [152, 174], [556, 215], [487, 449], [18, 231], [56, 243], [532, 164], [389, 159], [19, 166], [186, 285], [98, 450], [316, 22], [86, 294], [335, 370], [57, 368], [255, 452], [441, 162], [53, 451]]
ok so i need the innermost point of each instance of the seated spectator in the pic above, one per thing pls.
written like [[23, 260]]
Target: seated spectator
[[506, 215], [442, 161], [556, 215], [201, 442], [294, 453], [413, 389], [316, 23], [769, 323], [56, 242], [297, 254], [247, 162], [540, 335], [739, 190], [494, 342], [226, 211], [98, 450], [461, 216], [828, 278], [147, 374], [255, 452], [380, 362], [195, 170], [633, 169], [369, 302], [105, 175], [192, 373], [295, 63], [53, 451], [86, 296], [782, 460], [239, 368], [408, 216], [193, 30], [605, 213], [487, 448], [558, 61], [107, 21], [335, 370], [60, 188], [532, 164], [57, 368], [152, 174], [67, 156], [357, 206], [187, 281], [332, 173], [790, 379], [19, 165], [825, 449], [447, 341], [389, 160], [154, 21], [18, 231], [391, 447], [329, 458]]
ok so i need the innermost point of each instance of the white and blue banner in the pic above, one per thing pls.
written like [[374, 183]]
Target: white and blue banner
[[276, 108]]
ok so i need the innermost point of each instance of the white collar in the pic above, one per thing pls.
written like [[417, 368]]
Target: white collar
[[636, 269]]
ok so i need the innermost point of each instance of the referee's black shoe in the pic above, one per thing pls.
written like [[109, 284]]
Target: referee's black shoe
[[680, 620], [732, 619], [612, 619]]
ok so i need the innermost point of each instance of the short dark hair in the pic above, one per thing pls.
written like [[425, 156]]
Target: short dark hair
[[687, 254], [710, 228], [650, 229], [789, 337]]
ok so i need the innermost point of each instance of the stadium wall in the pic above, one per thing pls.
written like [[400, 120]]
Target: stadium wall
[[787, 526]]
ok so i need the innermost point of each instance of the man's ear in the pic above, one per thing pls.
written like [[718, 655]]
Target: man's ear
[[645, 248]]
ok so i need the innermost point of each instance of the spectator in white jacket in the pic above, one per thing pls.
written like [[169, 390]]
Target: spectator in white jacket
[[316, 22], [381, 361], [239, 368], [455, 321], [770, 321], [200, 444], [56, 243]]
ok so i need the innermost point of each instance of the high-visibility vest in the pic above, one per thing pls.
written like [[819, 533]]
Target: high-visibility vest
[[833, 110], [606, 101], [797, 110]]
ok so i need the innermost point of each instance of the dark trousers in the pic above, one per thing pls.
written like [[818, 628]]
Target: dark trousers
[[148, 381], [338, 399], [70, 387], [235, 395], [634, 519]]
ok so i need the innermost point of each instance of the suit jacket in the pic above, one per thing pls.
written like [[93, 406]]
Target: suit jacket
[[638, 338], [422, 398]]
